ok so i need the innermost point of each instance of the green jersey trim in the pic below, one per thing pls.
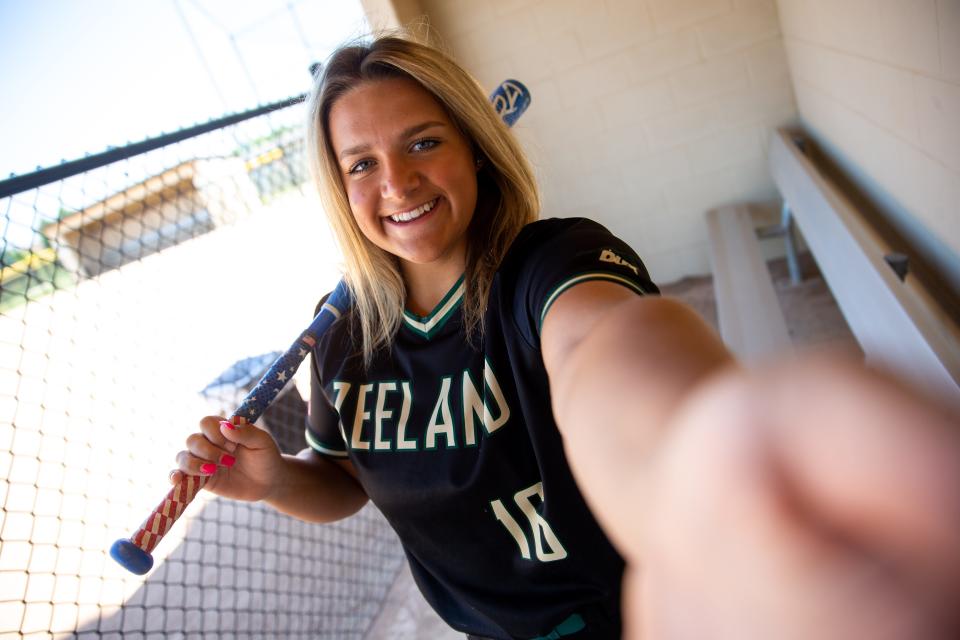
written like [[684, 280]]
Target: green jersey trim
[[429, 324], [320, 448], [568, 627], [584, 277]]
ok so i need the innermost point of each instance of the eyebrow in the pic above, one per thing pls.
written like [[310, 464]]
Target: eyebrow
[[406, 133]]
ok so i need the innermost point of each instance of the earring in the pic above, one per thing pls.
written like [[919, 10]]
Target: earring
[[479, 162]]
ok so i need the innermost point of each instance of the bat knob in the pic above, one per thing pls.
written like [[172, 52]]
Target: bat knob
[[131, 557]]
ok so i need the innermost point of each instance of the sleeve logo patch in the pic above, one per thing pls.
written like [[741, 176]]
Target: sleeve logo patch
[[609, 256]]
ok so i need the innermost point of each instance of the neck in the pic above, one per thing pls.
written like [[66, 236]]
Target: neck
[[427, 284]]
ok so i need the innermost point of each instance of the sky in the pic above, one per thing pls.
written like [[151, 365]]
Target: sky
[[79, 76]]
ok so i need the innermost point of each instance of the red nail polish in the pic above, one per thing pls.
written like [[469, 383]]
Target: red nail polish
[[208, 468], [227, 424], [227, 460]]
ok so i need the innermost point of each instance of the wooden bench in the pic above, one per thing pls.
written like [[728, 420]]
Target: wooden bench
[[895, 318]]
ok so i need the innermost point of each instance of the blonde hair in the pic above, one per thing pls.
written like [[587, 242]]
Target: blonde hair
[[507, 195]]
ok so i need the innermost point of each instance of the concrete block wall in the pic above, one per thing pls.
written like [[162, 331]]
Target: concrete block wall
[[645, 113], [878, 85]]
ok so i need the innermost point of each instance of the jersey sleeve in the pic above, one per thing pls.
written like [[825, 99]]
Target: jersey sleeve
[[323, 431], [563, 253]]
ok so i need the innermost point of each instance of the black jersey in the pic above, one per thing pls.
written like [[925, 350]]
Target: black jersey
[[457, 446]]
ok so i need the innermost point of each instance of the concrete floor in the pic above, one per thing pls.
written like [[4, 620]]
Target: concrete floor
[[813, 318], [406, 616]]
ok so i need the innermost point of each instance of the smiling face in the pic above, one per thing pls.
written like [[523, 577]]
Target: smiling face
[[408, 172]]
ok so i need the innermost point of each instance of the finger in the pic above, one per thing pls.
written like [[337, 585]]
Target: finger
[[873, 459], [728, 506], [240, 432], [210, 428], [201, 447], [192, 465]]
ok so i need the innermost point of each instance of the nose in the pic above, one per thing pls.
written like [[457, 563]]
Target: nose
[[398, 179]]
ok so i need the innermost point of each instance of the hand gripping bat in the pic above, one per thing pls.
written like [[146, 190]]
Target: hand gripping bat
[[510, 100]]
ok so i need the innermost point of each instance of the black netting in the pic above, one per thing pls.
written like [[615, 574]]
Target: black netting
[[154, 291]]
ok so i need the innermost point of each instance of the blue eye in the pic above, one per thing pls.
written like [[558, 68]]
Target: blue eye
[[359, 167], [424, 145]]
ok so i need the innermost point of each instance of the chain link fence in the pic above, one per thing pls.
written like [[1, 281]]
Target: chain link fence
[[157, 282]]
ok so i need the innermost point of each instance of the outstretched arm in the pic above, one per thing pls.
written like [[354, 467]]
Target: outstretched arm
[[620, 366], [811, 499]]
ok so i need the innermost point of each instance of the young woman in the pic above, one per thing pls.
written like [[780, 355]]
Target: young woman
[[527, 412]]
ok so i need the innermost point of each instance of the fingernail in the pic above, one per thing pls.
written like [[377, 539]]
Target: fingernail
[[227, 460], [227, 424], [208, 468]]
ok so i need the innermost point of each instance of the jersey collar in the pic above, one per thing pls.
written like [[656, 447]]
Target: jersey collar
[[429, 324]]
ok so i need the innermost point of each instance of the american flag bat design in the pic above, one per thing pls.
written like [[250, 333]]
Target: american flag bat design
[[510, 99]]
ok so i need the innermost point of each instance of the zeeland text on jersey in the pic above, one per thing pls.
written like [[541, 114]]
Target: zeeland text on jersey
[[376, 416]]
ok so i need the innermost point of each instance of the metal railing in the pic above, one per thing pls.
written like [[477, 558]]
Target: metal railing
[[156, 279]]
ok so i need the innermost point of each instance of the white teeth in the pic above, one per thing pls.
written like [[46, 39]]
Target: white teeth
[[407, 216]]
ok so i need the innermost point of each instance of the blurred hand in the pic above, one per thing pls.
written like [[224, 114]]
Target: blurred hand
[[814, 500], [242, 461]]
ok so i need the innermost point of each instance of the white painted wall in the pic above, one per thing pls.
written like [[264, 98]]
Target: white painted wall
[[391, 14], [878, 86], [645, 113]]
